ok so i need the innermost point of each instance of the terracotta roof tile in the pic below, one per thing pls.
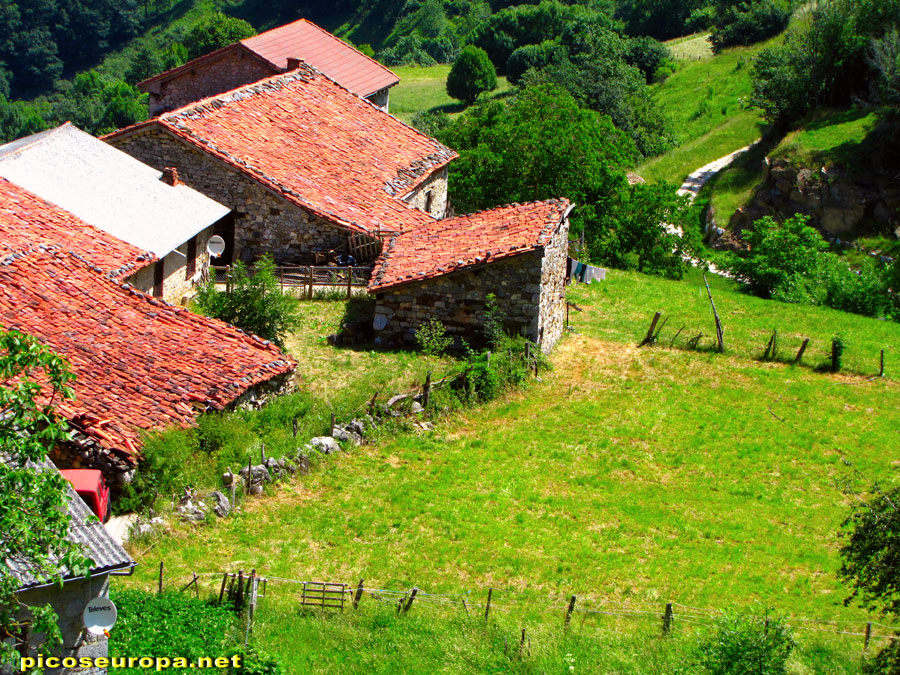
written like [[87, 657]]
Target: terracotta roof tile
[[457, 243], [342, 63], [139, 362], [27, 220], [309, 139]]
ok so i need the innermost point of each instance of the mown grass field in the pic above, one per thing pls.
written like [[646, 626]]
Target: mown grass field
[[630, 477], [424, 90]]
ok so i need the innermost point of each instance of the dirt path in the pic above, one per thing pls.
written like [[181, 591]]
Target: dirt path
[[694, 182]]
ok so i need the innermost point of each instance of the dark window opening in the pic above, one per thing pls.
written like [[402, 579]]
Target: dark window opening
[[191, 257], [429, 201], [158, 276]]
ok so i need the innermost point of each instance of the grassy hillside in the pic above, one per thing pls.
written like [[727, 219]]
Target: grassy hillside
[[704, 100], [424, 90], [630, 477]]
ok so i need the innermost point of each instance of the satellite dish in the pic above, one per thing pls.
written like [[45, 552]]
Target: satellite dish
[[215, 246], [99, 615]]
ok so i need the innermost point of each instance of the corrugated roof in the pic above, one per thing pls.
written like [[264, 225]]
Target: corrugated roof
[[96, 543], [308, 42], [140, 363], [450, 245], [304, 136], [108, 189], [27, 220]]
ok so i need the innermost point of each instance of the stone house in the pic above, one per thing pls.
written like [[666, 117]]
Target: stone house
[[140, 363], [271, 53], [444, 270], [304, 164], [109, 559], [113, 192]]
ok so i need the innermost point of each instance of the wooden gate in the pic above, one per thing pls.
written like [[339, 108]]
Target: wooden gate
[[323, 595]]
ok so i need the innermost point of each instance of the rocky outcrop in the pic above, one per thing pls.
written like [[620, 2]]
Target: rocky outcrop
[[838, 204]]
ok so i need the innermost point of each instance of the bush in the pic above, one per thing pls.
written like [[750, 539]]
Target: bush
[[169, 624], [254, 303], [407, 51], [432, 338], [539, 56], [494, 316], [506, 367], [217, 31], [745, 645], [649, 56], [472, 74], [441, 49], [743, 23]]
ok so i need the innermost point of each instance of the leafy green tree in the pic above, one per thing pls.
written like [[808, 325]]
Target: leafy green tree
[[538, 57], [254, 302], [472, 74], [219, 30], [870, 558], [18, 118], [743, 22], [33, 518], [648, 55], [661, 19], [780, 254]]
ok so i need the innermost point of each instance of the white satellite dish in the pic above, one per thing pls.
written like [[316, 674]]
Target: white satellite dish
[[215, 246], [99, 615]]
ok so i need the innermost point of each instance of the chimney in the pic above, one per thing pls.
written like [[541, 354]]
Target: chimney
[[293, 63], [170, 176]]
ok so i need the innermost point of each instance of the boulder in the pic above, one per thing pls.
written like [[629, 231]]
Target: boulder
[[221, 505], [325, 444], [343, 434], [259, 473]]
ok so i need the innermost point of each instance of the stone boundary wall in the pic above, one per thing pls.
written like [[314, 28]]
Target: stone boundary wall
[[437, 184], [264, 222], [233, 69]]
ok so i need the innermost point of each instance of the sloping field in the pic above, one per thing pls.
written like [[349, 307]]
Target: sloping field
[[629, 476]]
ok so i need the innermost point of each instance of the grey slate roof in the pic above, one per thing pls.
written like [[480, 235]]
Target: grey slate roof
[[108, 188], [96, 543]]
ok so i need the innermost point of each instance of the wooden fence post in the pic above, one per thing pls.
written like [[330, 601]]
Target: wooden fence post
[[649, 337], [426, 390], [881, 369], [570, 609], [487, 607], [161, 565], [667, 619], [772, 347], [239, 591], [409, 602], [868, 636], [720, 332], [358, 595], [802, 349], [222, 589], [349, 282], [309, 295]]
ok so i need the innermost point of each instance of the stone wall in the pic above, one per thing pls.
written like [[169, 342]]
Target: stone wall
[[381, 98], [436, 184], [177, 285], [233, 69], [68, 602], [553, 293], [457, 300], [264, 222]]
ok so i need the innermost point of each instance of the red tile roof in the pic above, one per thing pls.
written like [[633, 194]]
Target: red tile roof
[[457, 243], [140, 363], [342, 63], [26, 220], [319, 146]]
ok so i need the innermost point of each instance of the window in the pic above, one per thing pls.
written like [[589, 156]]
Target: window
[[191, 257], [429, 200], [158, 276]]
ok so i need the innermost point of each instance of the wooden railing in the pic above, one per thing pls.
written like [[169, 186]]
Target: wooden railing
[[307, 278]]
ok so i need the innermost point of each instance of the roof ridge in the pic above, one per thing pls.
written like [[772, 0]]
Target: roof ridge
[[194, 61], [36, 139]]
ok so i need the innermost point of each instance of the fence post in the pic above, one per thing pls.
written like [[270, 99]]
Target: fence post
[[487, 607], [309, 295], [331, 433], [222, 589], [570, 609], [412, 596], [881, 369], [667, 619], [426, 390], [650, 332], [358, 596], [868, 636], [802, 349], [161, 565], [349, 282]]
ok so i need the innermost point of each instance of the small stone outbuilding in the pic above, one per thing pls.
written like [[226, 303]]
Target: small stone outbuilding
[[270, 53], [118, 195], [307, 166], [69, 600], [445, 270], [140, 363]]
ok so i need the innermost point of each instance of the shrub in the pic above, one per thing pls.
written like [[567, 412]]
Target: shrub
[[441, 49], [407, 51], [432, 337], [747, 644], [168, 624], [219, 30], [648, 55], [533, 56], [837, 353], [743, 23], [254, 303], [471, 75], [494, 316]]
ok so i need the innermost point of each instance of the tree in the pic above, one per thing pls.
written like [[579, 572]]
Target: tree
[[254, 302], [33, 518], [219, 30], [870, 558], [472, 74]]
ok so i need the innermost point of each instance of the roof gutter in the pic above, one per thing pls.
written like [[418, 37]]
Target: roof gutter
[[129, 571]]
